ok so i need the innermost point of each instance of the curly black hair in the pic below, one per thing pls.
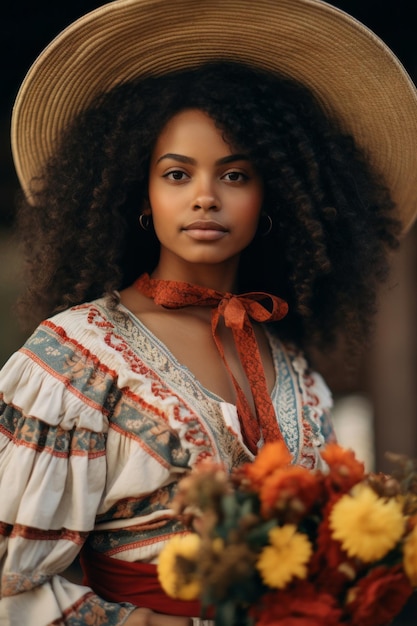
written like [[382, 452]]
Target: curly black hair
[[334, 222]]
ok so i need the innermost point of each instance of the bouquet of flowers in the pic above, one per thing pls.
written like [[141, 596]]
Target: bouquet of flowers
[[275, 543]]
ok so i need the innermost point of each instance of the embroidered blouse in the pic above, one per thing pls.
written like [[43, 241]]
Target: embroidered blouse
[[98, 422]]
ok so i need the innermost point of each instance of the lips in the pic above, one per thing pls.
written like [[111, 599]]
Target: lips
[[205, 225], [205, 231]]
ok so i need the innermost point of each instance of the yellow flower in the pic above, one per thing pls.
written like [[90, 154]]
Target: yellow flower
[[367, 526], [410, 556], [177, 567], [286, 558]]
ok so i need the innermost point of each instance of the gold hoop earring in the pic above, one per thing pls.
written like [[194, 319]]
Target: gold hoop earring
[[145, 221], [270, 223]]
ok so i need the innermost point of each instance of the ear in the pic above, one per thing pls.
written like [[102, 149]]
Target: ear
[[146, 208]]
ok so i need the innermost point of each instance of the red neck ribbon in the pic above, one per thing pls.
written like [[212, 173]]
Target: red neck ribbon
[[237, 312]]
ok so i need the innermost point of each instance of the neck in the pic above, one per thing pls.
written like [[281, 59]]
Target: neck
[[212, 277]]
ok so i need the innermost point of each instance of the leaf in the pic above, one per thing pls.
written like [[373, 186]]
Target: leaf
[[259, 535], [225, 614], [249, 505], [230, 614], [230, 507]]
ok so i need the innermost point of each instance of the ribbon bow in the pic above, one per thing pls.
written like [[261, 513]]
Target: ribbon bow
[[237, 312]]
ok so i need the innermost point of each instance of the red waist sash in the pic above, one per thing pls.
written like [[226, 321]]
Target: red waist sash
[[120, 581]]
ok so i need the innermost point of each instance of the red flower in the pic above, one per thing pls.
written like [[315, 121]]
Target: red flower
[[330, 566], [345, 470], [379, 597], [299, 605]]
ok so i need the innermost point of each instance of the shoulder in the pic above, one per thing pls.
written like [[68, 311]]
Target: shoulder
[[82, 330], [74, 334], [62, 374]]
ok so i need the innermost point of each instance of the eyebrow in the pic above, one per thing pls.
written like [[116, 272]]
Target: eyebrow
[[231, 158]]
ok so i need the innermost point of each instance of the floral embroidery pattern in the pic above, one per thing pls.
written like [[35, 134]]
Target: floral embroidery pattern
[[91, 611], [128, 508], [131, 403], [135, 537], [13, 584], [35, 434]]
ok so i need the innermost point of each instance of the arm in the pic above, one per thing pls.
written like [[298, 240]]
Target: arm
[[53, 470], [52, 474]]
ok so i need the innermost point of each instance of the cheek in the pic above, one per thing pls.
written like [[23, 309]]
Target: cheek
[[161, 203], [156, 197], [252, 206]]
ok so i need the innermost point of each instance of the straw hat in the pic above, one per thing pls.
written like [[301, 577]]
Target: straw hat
[[353, 73]]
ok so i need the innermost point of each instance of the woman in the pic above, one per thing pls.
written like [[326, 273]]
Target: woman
[[153, 210]]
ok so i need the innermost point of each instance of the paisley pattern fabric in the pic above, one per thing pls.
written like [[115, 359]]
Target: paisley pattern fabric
[[98, 422]]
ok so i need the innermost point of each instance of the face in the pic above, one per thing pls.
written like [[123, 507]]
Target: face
[[205, 196]]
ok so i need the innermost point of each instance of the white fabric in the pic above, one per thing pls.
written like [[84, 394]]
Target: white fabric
[[98, 423]]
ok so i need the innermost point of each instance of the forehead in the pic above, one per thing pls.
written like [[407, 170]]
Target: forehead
[[191, 130]]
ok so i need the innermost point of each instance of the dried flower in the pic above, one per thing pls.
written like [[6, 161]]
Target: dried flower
[[222, 566], [177, 567], [383, 485], [279, 545], [203, 489]]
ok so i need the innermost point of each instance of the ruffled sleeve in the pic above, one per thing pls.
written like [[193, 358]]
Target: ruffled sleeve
[[53, 427]]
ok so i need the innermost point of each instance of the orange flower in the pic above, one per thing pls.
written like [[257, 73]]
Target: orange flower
[[345, 470], [291, 491], [378, 597], [300, 605], [272, 456]]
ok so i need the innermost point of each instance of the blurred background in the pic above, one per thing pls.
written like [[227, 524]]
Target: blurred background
[[376, 406]]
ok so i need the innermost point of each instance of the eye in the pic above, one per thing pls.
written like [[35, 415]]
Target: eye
[[176, 175], [235, 177]]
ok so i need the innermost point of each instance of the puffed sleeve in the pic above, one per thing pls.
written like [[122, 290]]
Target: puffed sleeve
[[53, 427]]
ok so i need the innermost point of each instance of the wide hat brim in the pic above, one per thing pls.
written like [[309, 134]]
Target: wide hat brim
[[355, 76]]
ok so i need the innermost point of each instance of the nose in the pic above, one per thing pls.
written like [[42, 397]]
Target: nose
[[206, 197]]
